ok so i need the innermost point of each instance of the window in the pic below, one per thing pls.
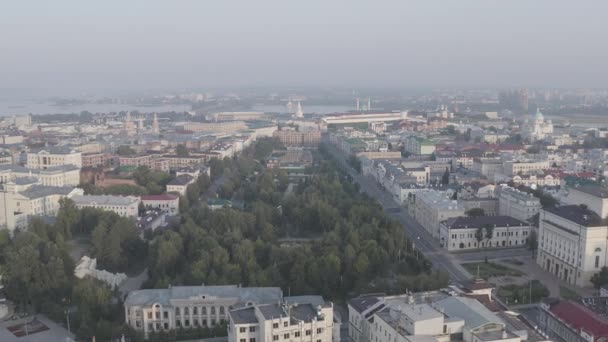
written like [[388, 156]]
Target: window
[[176, 311], [286, 336], [150, 326], [251, 329], [597, 261], [157, 314], [319, 330], [275, 337], [285, 324], [150, 315], [166, 314], [242, 329], [204, 310], [166, 326], [195, 311], [296, 334], [243, 340], [275, 325], [308, 332], [252, 339], [222, 310], [213, 310]]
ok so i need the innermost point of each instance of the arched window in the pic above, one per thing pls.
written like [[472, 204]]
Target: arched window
[[222, 310], [598, 249], [204, 310], [213, 310]]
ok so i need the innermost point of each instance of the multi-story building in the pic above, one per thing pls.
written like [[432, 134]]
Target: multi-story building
[[26, 197], [177, 162], [286, 322], [516, 203], [93, 159], [574, 321], [53, 156], [433, 207], [572, 243], [417, 145], [126, 206], [512, 168], [425, 316], [488, 205], [487, 166], [594, 197], [187, 307], [215, 127], [289, 137], [135, 161], [180, 184], [461, 233], [63, 175], [164, 202]]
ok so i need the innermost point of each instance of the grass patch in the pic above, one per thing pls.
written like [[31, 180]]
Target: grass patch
[[490, 269], [514, 262], [566, 293], [520, 294]]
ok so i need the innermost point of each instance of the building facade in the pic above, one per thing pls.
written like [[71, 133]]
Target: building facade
[[126, 206], [516, 203], [572, 243], [464, 233], [54, 156], [186, 307], [433, 207]]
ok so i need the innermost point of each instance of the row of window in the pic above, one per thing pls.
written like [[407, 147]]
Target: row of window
[[203, 310]]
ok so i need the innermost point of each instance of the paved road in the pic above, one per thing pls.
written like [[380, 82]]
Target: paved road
[[422, 240]]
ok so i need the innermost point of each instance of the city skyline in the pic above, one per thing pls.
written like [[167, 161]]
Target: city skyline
[[70, 46]]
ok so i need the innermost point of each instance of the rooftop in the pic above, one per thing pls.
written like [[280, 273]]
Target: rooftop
[[260, 295], [470, 310], [38, 191], [162, 197], [577, 214], [181, 180], [464, 222], [580, 317], [596, 191], [104, 199]]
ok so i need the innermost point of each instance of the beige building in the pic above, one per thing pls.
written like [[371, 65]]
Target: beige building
[[594, 197], [296, 138], [461, 233], [165, 202], [282, 322], [54, 156], [26, 197], [512, 168], [179, 184], [190, 307], [64, 175], [516, 203], [433, 207], [126, 206], [572, 243]]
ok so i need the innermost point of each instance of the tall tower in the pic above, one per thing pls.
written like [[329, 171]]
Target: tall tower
[[299, 112], [369, 103], [155, 128], [129, 126]]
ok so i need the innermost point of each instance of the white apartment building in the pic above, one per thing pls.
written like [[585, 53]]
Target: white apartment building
[[487, 166], [165, 202], [417, 145], [433, 207], [180, 184], [424, 316], [126, 206], [24, 198], [594, 197], [282, 322], [53, 156], [187, 307], [572, 243], [460, 233], [512, 168], [516, 203], [63, 175]]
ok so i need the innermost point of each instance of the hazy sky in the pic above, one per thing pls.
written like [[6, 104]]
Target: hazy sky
[[180, 43]]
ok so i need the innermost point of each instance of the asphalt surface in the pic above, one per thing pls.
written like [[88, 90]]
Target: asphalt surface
[[421, 239]]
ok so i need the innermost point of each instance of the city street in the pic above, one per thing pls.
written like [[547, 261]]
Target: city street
[[422, 241]]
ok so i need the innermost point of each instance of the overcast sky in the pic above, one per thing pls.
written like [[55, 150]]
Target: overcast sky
[[123, 44]]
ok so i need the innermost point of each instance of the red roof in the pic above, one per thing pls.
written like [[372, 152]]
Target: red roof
[[163, 197], [579, 317]]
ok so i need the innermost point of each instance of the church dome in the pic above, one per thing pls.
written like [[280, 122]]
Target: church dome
[[539, 115]]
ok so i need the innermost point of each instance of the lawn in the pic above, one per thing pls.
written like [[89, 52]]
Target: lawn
[[520, 294], [490, 269], [566, 293]]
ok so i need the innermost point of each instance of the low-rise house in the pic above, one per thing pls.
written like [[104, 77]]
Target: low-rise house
[[165, 202], [180, 184], [126, 206]]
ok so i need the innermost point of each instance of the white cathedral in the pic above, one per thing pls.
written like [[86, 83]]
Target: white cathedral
[[539, 129]]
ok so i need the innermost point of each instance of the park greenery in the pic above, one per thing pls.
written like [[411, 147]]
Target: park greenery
[[319, 235]]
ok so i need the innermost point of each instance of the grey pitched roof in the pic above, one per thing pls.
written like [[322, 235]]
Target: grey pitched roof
[[244, 316], [260, 295], [181, 180], [363, 303], [38, 191], [480, 221], [104, 199], [470, 310], [304, 312], [272, 311], [577, 214]]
